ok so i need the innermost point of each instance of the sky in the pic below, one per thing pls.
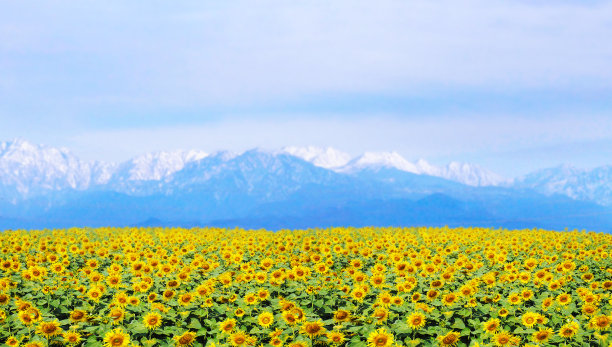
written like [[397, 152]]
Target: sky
[[513, 86]]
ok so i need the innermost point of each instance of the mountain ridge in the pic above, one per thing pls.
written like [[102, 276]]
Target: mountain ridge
[[289, 187]]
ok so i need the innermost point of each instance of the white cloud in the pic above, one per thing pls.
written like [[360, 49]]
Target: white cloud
[[477, 138], [235, 52]]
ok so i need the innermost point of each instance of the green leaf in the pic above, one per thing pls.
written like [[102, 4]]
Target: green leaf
[[458, 324], [195, 324]]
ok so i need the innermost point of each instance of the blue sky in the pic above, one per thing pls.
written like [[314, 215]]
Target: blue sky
[[510, 85]]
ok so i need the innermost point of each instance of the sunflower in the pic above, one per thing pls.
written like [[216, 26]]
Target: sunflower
[[94, 294], [335, 337], [185, 299], [4, 299], [152, 297], [568, 330], [239, 338], [228, 325], [601, 322], [564, 299], [168, 294], [380, 338], [263, 294], [542, 335], [114, 281], [492, 325], [72, 337], [312, 329], [185, 339], [49, 329], [342, 316], [378, 280], [397, 301], [385, 299], [250, 299], [358, 294], [25, 318], [504, 338], [381, 314], [529, 319], [12, 341], [78, 316], [515, 299], [152, 320], [432, 294], [265, 319], [416, 320], [116, 315], [449, 299], [450, 339], [298, 313], [116, 338], [546, 303], [121, 299], [34, 313]]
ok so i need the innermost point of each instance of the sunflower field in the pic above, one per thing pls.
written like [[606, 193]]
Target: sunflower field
[[327, 287]]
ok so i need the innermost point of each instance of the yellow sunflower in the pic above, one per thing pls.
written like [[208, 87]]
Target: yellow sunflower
[[265, 319], [335, 337], [601, 322], [49, 329], [342, 316], [72, 337], [450, 339], [228, 325], [116, 338], [492, 325], [185, 339], [380, 338], [312, 329], [416, 320], [239, 338], [542, 335], [152, 320], [568, 330], [504, 338]]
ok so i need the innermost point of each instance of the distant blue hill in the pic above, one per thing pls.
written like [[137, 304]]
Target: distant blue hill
[[276, 190]]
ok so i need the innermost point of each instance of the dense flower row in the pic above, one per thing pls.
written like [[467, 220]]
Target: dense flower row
[[338, 286]]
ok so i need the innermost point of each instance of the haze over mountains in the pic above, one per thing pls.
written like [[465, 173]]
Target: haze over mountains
[[46, 187]]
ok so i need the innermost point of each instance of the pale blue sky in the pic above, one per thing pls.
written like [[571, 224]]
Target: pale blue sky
[[510, 85]]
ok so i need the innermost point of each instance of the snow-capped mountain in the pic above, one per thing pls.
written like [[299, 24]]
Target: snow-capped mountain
[[254, 172], [32, 169], [42, 186], [156, 166], [29, 169], [470, 174], [329, 158], [374, 160], [465, 173], [588, 185]]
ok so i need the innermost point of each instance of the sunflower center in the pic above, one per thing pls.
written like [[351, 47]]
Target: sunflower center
[[380, 341], [117, 341]]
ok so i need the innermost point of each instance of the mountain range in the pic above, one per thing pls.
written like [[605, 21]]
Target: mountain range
[[47, 187]]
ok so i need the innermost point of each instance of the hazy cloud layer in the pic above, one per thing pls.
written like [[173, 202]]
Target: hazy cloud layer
[[71, 70]]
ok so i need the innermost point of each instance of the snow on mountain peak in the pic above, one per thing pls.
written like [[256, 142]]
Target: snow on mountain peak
[[379, 160], [26, 166], [158, 165], [471, 174], [328, 157], [29, 168]]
